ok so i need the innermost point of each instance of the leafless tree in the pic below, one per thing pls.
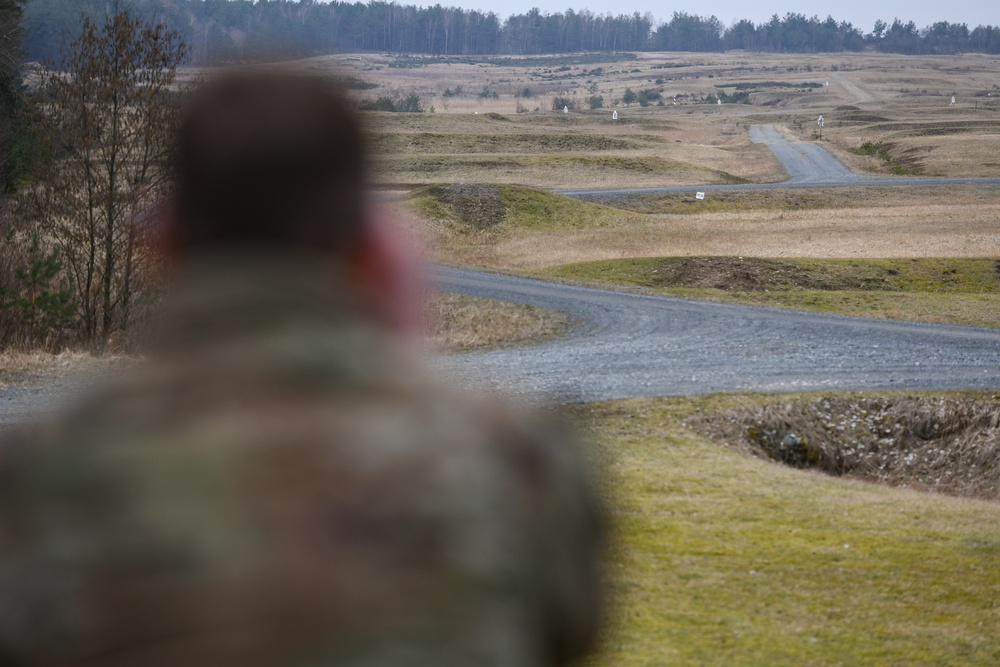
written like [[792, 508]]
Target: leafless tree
[[108, 115]]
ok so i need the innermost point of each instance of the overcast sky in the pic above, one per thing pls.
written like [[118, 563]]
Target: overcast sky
[[862, 13]]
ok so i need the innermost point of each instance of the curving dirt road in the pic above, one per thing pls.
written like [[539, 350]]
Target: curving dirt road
[[629, 344], [808, 165]]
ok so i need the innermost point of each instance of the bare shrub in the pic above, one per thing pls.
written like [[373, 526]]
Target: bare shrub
[[108, 119], [561, 103]]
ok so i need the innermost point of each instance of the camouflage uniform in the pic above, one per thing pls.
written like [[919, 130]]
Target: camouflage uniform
[[280, 487]]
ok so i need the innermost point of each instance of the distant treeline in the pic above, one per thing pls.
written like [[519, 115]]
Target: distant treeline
[[235, 30]]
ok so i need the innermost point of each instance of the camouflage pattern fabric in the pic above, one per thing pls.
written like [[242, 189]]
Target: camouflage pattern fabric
[[279, 486]]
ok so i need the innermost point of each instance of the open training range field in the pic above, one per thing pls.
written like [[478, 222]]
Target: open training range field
[[723, 557], [493, 123], [897, 106]]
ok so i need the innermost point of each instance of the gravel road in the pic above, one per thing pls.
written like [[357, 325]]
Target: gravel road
[[808, 166], [804, 162], [628, 344]]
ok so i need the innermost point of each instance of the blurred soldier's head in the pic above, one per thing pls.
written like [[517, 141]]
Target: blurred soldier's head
[[275, 162], [268, 160]]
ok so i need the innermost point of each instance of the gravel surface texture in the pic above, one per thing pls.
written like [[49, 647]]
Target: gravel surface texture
[[626, 344], [34, 399]]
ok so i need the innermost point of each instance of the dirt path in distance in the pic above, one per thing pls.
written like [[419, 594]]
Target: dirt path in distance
[[861, 96]]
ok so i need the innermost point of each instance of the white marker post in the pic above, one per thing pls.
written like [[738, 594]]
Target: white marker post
[[614, 115], [720, 101], [952, 100], [566, 109], [820, 122]]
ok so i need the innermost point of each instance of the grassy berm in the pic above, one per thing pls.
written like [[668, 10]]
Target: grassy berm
[[726, 557], [479, 206], [953, 291]]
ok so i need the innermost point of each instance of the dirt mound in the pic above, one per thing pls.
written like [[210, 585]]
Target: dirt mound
[[727, 273], [751, 274], [949, 445], [475, 204], [856, 117]]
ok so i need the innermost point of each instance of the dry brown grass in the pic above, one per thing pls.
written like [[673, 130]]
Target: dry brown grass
[[911, 225], [921, 230], [458, 322], [25, 367], [862, 78], [792, 199], [442, 148], [453, 322], [902, 90]]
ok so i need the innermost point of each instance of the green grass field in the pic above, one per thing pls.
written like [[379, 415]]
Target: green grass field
[[726, 559], [953, 291]]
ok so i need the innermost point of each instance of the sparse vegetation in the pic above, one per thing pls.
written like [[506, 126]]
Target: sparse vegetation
[[19, 368], [880, 149], [561, 103], [510, 207], [408, 104], [457, 323], [356, 83], [647, 96], [736, 97], [487, 143]]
